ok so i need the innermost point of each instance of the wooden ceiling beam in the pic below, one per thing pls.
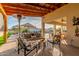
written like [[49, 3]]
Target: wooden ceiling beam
[[34, 15], [51, 7], [31, 8], [21, 12], [57, 5], [37, 7], [43, 5], [47, 6], [9, 12], [18, 10], [24, 7]]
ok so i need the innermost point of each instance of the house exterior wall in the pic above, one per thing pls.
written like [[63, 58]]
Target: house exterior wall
[[69, 11]]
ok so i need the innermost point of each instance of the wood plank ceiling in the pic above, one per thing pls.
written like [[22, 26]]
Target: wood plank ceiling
[[31, 9]]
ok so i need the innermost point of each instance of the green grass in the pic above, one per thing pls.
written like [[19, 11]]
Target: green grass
[[1, 40]]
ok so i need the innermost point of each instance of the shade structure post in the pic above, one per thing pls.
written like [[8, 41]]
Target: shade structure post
[[54, 29], [61, 28], [43, 34], [5, 22], [19, 20], [42, 28]]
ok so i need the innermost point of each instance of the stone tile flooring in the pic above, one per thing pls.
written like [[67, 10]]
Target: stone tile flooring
[[69, 50], [9, 49]]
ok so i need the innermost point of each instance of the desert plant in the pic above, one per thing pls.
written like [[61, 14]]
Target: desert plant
[[25, 30]]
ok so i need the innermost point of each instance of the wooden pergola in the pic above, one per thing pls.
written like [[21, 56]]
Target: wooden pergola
[[27, 9]]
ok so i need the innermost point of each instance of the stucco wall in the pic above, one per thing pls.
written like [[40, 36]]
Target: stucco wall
[[69, 11]]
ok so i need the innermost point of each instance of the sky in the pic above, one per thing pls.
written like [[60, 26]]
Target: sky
[[36, 21]]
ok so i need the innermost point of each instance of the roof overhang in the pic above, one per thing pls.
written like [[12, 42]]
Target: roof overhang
[[31, 9]]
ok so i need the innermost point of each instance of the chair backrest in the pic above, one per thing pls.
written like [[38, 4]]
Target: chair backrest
[[27, 36], [21, 43]]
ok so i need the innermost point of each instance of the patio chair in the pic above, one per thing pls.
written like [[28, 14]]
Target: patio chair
[[37, 34], [25, 47], [26, 35]]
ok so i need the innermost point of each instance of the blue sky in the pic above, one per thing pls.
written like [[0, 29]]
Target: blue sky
[[36, 21]]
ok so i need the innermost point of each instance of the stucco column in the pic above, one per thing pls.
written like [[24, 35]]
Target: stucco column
[[54, 29], [42, 28], [5, 22], [70, 29], [61, 28]]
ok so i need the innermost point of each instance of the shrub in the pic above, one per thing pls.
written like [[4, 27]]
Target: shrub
[[9, 34], [25, 30]]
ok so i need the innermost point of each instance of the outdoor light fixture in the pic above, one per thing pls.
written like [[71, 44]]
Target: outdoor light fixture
[[19, 17]]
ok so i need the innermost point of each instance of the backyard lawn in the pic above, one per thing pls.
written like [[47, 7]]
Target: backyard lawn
[[1, 40]]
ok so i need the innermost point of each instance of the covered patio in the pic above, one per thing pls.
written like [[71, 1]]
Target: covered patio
[[58, 14]]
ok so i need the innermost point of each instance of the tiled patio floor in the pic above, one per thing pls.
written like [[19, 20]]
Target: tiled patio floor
[[69, 50], [10, 49]]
